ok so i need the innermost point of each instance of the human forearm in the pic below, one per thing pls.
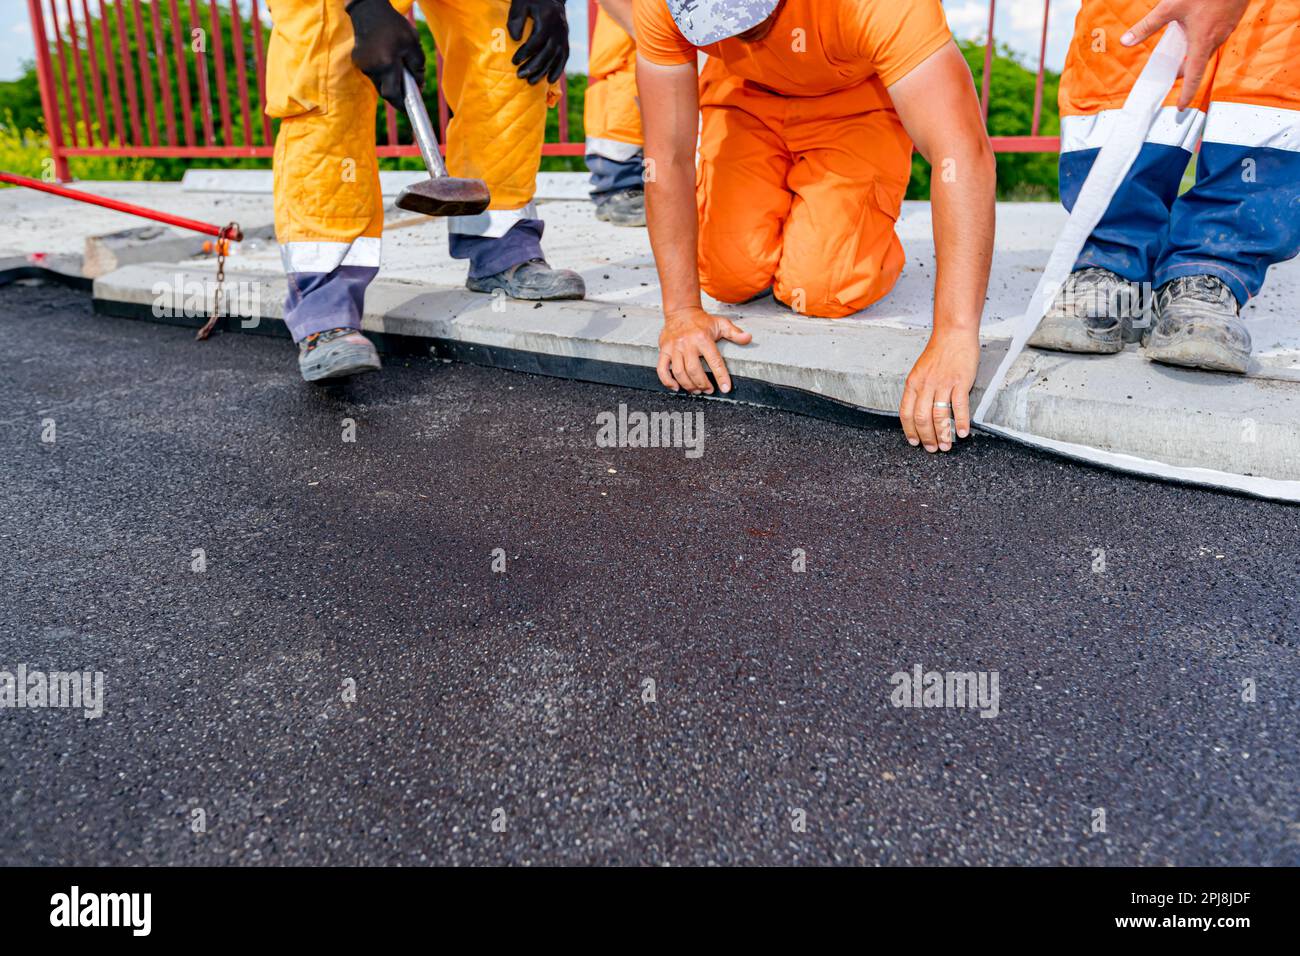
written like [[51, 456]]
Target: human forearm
[[938, 107], [670, 115], [940, 111], [673, 226], [962, 201], [689, 333]]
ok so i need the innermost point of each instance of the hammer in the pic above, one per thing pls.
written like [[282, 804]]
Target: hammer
[[440, 194]]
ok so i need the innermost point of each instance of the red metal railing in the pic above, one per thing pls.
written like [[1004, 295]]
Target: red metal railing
[[1033, 143], [120, 81]]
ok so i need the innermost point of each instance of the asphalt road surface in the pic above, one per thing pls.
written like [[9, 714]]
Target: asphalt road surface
[[347, 678]]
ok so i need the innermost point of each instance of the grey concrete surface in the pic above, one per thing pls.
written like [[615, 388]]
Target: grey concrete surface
[[1122, 617]]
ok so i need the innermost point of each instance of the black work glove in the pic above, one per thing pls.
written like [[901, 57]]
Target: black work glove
[[546, 50], [386, 43]]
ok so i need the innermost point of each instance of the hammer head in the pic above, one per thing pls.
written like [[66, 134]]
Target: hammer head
[[445, 196]]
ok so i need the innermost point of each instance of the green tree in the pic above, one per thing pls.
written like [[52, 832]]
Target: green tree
[[20, 102], [1021, 176], [161, 78]]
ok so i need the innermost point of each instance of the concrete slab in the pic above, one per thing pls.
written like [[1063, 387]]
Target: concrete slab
[[1121, 403]]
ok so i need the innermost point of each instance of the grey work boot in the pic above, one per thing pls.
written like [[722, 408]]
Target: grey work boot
[[626, 208], [533, 279], [1196, 323], [336, 353], [1094, 313]]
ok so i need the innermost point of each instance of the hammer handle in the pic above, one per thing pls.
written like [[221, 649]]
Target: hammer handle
[[424, 135]]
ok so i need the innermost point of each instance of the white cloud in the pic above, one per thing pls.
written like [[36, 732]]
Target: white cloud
[[968, 19]]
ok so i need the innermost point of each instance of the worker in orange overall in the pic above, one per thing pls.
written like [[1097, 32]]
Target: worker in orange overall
[[1204, 253], [807, 113]]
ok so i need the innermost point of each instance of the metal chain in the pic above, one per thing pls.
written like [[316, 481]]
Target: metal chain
[[219, 294]]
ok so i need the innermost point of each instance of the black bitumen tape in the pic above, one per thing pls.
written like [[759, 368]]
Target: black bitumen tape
[[11, 270]]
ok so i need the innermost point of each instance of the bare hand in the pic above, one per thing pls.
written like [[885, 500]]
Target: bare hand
[[1207, 22], [688, 335], [943, 374]]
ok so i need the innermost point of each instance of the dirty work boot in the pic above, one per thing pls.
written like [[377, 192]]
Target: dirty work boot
[[626, 208], [336, 353], [1196, 324], [1093, 313], [533, 279]]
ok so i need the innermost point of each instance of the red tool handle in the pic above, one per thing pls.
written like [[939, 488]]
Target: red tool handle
[[231, 232]]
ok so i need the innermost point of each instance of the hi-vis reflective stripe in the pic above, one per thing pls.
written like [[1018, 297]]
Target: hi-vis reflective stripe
[[1243, 124], [328, 256], [493, 223], [1173, 127], [612, 149]]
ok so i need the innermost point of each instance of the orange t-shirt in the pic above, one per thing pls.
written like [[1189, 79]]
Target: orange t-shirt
[[815, 46]]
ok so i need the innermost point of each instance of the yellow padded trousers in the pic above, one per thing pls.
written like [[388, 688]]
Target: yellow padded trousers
[[611, 114], [328, 207]]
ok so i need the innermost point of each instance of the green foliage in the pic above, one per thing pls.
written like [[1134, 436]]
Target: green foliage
[[1021, 176], [27, 152], [24, 122], [577, 132], [20, 102]]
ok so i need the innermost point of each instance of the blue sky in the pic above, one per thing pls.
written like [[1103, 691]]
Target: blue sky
[[1018, 23], [15, 38]]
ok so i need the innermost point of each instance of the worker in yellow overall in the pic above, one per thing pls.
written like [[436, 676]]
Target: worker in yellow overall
[[327, 63]]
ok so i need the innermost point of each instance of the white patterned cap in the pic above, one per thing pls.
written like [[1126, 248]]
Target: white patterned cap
[[707, 21]]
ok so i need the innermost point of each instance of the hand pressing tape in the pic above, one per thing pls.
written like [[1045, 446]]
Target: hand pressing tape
[[1108, 171]]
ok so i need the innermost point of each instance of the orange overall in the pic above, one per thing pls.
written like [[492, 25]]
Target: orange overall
[[803, 162], [1240, 217]]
